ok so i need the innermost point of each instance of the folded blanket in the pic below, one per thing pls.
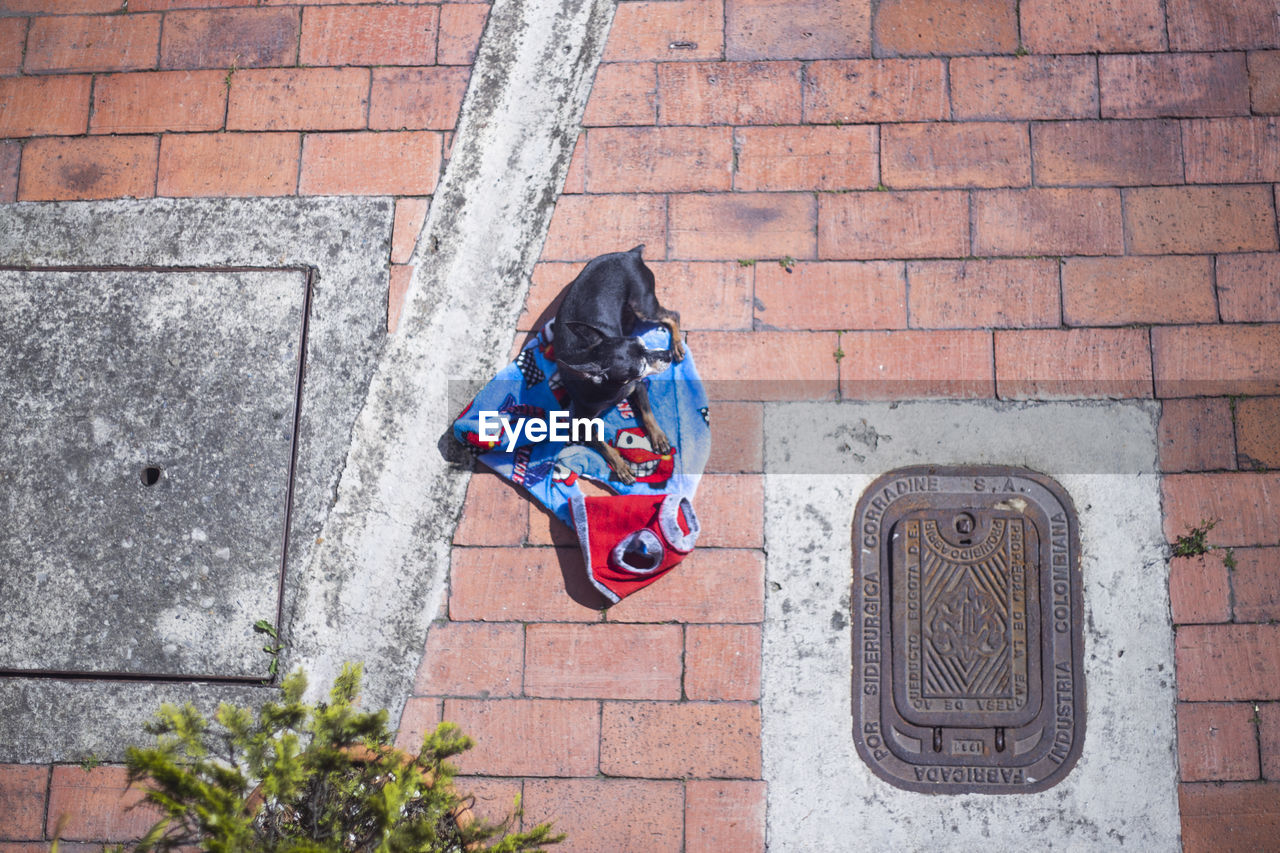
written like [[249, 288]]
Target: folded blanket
[[628, 539]]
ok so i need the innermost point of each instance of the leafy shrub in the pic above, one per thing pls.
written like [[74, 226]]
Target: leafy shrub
[[296, 777]]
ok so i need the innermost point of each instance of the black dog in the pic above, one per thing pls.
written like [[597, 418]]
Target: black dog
[[600, 361]]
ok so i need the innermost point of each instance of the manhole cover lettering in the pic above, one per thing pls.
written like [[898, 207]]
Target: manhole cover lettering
[[967, 642]]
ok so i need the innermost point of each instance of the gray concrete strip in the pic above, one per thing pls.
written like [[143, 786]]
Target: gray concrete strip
[[377, 577]]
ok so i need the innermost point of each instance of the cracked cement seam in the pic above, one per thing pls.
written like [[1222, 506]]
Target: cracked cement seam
[[376, 579]]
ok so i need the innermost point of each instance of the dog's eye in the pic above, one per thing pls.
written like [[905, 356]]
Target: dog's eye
[[630, 440]]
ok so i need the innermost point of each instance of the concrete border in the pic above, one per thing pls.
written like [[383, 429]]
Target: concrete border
[[1122, 794]]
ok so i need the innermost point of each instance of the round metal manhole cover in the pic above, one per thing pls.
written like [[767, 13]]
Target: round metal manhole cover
[[967, 645]]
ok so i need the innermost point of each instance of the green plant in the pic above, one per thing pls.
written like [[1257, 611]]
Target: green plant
[[787, 262], [297, 777], [262, 626], [746, 262], [1194, 542]]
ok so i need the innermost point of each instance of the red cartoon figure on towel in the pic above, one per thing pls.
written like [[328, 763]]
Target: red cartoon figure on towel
[[649, 467]]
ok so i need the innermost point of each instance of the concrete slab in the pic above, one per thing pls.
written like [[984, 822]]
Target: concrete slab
[[822, 797], [345, 242], [146, 436]]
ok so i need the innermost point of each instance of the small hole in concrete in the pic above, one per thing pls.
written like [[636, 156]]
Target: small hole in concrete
[[151, 475]]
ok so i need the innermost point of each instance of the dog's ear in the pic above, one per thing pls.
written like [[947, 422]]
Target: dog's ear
[[590, 334], [592, 371], [638, 250]]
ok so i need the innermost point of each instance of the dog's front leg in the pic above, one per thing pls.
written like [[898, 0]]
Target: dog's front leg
[[621, 469], [639, 399]]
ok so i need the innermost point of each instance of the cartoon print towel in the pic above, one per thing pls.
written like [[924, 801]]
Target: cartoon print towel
[[628, 539]]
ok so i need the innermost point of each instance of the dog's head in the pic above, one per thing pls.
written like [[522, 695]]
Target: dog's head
[[618, 362]]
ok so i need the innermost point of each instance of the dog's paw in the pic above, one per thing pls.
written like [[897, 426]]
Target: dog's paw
[[659, 442], [677, 349], [622, 471]]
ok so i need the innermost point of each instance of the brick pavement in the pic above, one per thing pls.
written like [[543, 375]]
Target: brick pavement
[[1028, 200]]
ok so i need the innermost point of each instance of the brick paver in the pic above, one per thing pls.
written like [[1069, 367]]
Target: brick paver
[[845, 199]]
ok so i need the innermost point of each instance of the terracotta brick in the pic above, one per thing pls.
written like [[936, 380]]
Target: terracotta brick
[[734, 226], [166, 5], [1237, 817], [1092, 26], [401, 279], [722, 662], [99, 805], [13, 37], [797, 29], [517, 584], [767, 365], [10, 154], [873, 90], [1199, 219], [1232, 150], [720, 815], [585, 226], [416, 98], [1217, 741], [603, 661], [831, 295], [897, 365], [478, 659], [622, 815], [44, 106], [420, 717], [1258, 432], [391, 163], [159, 101], [92, 43], [666, 30], [1195, 435], [461, 26], [1264, 82], [576, 180], [22, 794], [697, 93], [659, 159], [1072, 363], [1246, 288], [999, 293], [63, 7], [1047, 222], [1119, 291], [1183, 84], [495, 513], [805, 158], [1244, 504], [737, 438], [1255, 582], [411, 213], [731, 508], [229, 164], [1196, 361], [492, 799], [299, 99], [1269, 739], [931, 27], [946, 155], [1213, 25], [624, 93], [1228, 662], [1107, 153], [711, 585], [88, 168], [528, 737], [369, 35], [1024, 87], [1199, 590], [230, 38], [884, 225], [672, 740]]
